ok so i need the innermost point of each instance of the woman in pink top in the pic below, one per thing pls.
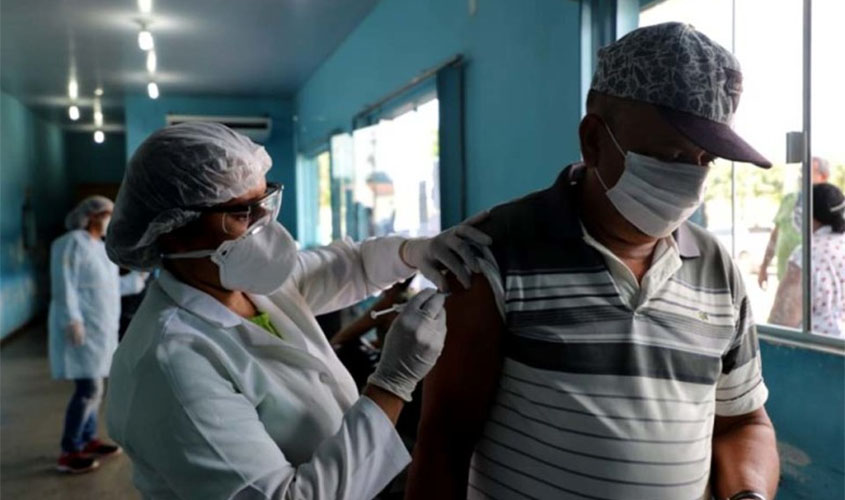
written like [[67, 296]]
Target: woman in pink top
[[828, 269]]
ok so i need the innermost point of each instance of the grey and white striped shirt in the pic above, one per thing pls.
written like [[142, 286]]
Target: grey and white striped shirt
[[602, 397]]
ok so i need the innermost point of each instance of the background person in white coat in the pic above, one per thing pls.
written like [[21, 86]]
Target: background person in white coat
[[224, 385], [83, 323]]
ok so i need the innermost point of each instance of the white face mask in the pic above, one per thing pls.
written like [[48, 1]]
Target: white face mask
[[653, 195], [259, 261]]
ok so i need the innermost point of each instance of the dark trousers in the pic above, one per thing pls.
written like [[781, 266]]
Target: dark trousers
[[81, 416]]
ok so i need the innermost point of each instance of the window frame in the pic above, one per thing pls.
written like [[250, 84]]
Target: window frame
[[803, 337], [302, 213]]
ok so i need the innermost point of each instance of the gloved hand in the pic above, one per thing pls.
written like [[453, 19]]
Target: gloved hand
[[412, 344], [451, 249], [76, 333]]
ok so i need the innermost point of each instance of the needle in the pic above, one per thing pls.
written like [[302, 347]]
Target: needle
[[391, 309]]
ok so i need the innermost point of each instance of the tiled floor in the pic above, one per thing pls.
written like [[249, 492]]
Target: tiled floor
[[32, 408]]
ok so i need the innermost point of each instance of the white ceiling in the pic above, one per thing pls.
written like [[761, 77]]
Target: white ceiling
[[204, 47]]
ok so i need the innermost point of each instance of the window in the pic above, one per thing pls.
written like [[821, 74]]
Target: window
[[751, 210], [314, 210], [389, 181]]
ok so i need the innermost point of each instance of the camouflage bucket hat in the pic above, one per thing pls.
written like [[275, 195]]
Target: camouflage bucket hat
[[693, 81]]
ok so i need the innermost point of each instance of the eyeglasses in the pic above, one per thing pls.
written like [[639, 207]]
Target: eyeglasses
[[238, 218]]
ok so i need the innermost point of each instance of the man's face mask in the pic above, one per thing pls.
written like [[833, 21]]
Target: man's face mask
[[654, 195]]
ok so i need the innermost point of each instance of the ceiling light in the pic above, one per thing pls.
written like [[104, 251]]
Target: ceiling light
[[145, 40], [73, 113], [152, 90], [99, 137], [152, 61], [73, 89], [98, 92], [98, 118], [145, 6]]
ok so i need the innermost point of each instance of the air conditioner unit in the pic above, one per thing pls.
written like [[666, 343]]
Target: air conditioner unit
[[257, 128]]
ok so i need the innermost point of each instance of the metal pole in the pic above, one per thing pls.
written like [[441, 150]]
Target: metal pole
[[807, 176], [456, 59]]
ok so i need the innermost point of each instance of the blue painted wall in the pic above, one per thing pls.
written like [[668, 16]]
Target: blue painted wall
[[807, 406], [522, 85], [144, 116], [31, 157]]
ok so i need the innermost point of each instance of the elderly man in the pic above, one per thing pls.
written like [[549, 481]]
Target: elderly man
[[611, 352]]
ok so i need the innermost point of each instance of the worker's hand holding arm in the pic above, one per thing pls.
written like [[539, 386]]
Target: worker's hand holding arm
[[344, 273], [451, 250], [457, 394]]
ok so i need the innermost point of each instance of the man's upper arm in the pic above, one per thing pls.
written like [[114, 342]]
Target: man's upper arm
[[740, 388], [460, 387], [458, 392]]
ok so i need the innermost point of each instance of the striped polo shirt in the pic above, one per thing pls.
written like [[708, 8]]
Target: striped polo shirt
[[599, 397]]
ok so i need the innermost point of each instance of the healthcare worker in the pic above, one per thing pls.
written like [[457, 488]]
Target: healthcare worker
[[224, 385], [83, 323]]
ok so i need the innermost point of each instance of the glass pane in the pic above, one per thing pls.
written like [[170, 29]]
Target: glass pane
[[771, 56], [306, 202], [395, 186], [343, 169], [828, 108], [324, 198], [750, 210], [711, 17], [397, 182]]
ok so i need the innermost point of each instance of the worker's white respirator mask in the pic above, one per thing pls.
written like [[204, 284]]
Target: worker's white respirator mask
[[259, 261], [656, 196]]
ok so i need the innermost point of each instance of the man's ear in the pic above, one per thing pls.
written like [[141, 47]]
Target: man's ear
[[590, 134]]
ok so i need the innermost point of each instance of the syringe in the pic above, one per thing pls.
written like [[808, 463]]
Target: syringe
[[391, 309]]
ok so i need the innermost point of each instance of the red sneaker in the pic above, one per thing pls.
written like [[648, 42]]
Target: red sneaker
[[76, 463], [100, 449]]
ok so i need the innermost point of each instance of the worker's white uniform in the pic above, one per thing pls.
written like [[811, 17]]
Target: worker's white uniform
[[209, 405], [85, 287]]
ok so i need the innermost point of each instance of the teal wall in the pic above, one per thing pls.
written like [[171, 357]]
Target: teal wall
[[522, 84], [807, 406], [144, 116], [89, 162], [31, 157]]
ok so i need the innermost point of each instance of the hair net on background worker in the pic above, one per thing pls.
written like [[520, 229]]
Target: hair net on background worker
[[78, 217], [174, 171]]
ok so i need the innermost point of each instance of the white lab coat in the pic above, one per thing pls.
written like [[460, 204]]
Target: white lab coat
[[85, 286], [208, 405]]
